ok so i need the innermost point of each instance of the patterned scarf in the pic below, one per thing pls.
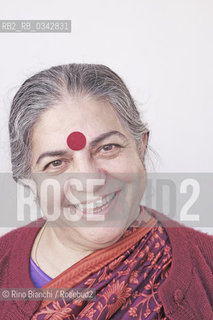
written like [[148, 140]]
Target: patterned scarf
[[125, 276]]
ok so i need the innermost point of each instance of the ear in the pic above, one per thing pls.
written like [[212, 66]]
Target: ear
[[144, 144]]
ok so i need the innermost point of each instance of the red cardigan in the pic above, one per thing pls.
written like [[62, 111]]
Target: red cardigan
[[187, 294]]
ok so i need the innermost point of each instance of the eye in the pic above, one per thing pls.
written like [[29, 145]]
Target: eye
[[108, 147], [54, 164]]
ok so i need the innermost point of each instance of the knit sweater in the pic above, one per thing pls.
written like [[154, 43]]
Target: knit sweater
[[187, 293]]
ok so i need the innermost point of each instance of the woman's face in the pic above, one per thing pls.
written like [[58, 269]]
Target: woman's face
[[97, 189]]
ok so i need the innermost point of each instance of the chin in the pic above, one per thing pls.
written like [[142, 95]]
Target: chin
[[106, 236]]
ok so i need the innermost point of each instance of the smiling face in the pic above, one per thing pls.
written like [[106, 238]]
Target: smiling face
[[110, 157]]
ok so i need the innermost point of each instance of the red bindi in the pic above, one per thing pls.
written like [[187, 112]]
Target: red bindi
[[76, 141]]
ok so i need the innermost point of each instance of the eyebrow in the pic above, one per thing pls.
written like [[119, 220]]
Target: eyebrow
[[92, 144]]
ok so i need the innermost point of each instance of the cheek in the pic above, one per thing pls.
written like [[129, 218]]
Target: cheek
[[135, 183], [132, 172], [132, 163], [123, 166], [49, 196]]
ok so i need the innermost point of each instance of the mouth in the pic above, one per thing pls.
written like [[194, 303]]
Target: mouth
[[96, 207]]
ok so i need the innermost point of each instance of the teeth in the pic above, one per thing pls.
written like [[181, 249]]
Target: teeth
[[97, 206]]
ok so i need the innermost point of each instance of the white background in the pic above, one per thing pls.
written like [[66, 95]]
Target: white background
[[163, 50]]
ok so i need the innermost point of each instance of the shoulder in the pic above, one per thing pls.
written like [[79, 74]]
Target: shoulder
[[189, 285], [198, 244], [15, 248], [10, 239]]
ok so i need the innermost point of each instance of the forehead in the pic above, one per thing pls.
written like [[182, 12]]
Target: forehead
[[86, 115]]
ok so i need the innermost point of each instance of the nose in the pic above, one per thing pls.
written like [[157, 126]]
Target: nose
[[84, 163], [90, 178]]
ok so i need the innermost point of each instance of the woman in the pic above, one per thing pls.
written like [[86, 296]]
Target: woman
[[77, 127]]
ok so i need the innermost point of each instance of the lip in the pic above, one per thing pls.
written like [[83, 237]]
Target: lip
[[102, 213], [97, 199]]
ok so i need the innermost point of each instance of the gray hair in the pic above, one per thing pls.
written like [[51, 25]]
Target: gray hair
[[51, 86]]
